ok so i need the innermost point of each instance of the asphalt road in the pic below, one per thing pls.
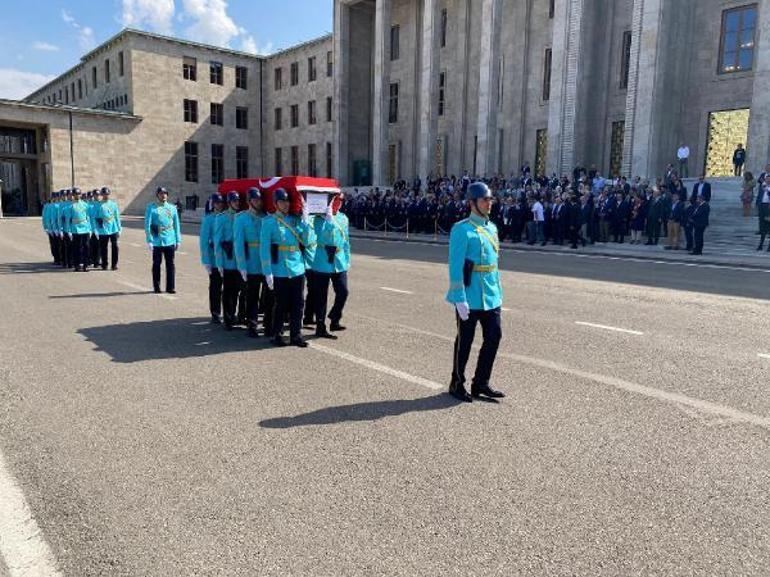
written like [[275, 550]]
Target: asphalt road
[[635, 438]]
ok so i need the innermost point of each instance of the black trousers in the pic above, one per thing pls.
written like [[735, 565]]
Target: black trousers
[[339, 282], [231, 296], [688, 235], [289, 293], [698, 239], [160, 253], [259, 296], [112, 240], [491, 331], [215, 292], [65, 251], [80, 249], [94, 250], [53, 241], [310, 300]]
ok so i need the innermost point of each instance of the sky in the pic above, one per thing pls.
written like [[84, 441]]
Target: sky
[[40, 39]]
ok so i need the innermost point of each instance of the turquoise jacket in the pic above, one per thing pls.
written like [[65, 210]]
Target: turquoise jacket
[[475, 239], [46, 216], [92, 208], [161, 225], [332, 236], [248, 226], [206, 240], [106, 219], [224, 232], [285, 232], [78, 218], [64, 208], [54, 209]]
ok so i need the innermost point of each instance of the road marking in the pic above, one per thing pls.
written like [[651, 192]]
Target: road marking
[[22, 546], [763, 356], [505, 309], [608, 328], [136, 244], [378, 367], [145, 289], [394, 290], [628, 386]]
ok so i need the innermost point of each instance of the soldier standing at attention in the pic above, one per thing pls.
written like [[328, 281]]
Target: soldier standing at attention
[[66, 243], [94, 254], [79, 229], [214, 207], [108, 227], [224, 251], [163, 233], [475, 292]]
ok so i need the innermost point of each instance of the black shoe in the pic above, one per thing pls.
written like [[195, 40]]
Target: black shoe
[[171, 291], [308, 322], [487, 391], [759, 247], [648, 243], [322, 333], [668, 248], [114, 267], [458, 391], [252, 333], [278, 341], [336, 326], [156, 291], [298, 342], [216, 320]]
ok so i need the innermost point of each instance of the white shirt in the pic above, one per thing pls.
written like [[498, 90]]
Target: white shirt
[[766, 195], [683, 152], [537, 211]]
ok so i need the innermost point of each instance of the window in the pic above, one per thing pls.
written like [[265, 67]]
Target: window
[[121, 64], [441, 92], [73, 91], [217, 163], [66, 95], [444, 18], [294, 115], [329, 166], [216, 73], [191, 161], [551, 8], [329, 64], [190, 68], [278, 118], [217, 114], [80, 88], [190, 110], [311, 71], [107, 71], [295, 159], [311, 162], [294, 80], [547, 75], [311, 119], [737, 41], [93, 78], [241, 162], [241, 77], [328, 109], [278, 162], [393, 104], [242, 118], [625, 62], [278, 78], [394, 47], [60, 98]]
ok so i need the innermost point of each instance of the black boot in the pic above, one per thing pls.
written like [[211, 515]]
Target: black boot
[[459, 392], [216, 319], [485, 390], [298, 342], [252, 331], [278, 341], [322, 333], [336, 326]]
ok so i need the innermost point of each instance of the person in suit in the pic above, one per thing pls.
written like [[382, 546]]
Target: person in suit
[[638, 217], [701, 188], [573, 220], [763, 204], [739, 159], [675, 224], [654, 217], [700, 221], [622, 214]]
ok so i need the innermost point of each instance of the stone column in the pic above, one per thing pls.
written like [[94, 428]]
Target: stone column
[[489, 74], [759, 122], [382, 23], [428, 84], [341, 91]]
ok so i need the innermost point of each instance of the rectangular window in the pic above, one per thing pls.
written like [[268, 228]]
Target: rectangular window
[[121, 64], [444, 22], [441, 92], [311, 70], [393, 104], [241, 77], [625, 62], [217, 163], [241, 162], [278, 118], [107, 71], [329, 64], [547, 75], [737, 40], [329, 166], [311, 118], [311, 162], [190, 68], [294, 73], [328, 109], [60, 99], [66, 95], [94, 80], [294, 115], [216, 73], [551, 8], [295, 159], [241, 118], [191, 161], [278, 78], [394, 37], [73, 91], [217, 114], [190, 110], [278, 162], [80, 88]]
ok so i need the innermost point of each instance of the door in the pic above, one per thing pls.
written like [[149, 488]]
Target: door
[[727, 128]]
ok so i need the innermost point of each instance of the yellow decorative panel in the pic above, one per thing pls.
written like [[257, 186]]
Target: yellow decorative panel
[[541, 151], [727, 128], [616, 147]]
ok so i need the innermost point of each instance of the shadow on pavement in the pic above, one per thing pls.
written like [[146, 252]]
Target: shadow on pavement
[[30, 267], [169, 339], [363, 412], [100, 295]]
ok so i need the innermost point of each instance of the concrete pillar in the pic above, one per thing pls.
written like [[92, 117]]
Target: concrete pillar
[[382, 23], [341, 91], [428, 75], [759, 122], [489, 74]]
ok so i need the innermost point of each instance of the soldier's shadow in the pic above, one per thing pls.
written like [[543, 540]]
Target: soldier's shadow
[[370, 411]]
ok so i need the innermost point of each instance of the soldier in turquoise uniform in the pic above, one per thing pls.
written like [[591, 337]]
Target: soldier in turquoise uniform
[[248, 227], [214, 207], [66, 243], [108, 227], [475, 292], [331, 264], [282, 242], [48, 218], [78, 224], [164, 235], [224, 254], [93, 201]]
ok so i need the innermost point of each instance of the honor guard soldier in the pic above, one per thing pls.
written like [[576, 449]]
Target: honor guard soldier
[[248, 227], [282, 242], [108, 227], [79, 230], [163, 234], [214, 207], [331, 264], [48, 216], [94, 255], [66, 244], [224, 252], [475, 292]]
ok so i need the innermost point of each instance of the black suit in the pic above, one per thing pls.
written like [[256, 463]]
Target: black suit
[[700, 221], [705, 192]]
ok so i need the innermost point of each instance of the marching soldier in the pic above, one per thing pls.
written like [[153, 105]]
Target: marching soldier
[[108, 228], [331, 264], [224, 252], [248, 226], [282, 241], [214, 207], [475, 292], [64, 237], [79, 230], [93, 201], [163, 234]]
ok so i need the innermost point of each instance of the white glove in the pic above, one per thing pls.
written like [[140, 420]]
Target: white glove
[[305, 213], [150, 247], [269, 281], [208, 268], [221, 271], [96, 234], [462, 310], [61, 234], [69, 235], [244, 276], [329, 216]]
